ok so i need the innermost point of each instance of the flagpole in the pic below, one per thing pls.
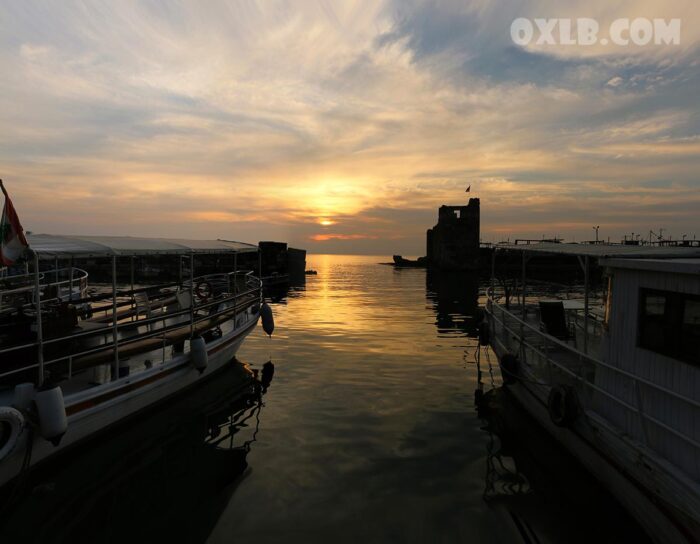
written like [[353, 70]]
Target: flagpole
[[37, 283]]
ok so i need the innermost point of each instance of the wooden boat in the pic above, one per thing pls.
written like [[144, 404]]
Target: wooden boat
[[618, 384], [67, 374]]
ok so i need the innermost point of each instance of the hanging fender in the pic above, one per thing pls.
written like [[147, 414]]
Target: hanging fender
[[53, 422], [198, 353], [563, 405], [268, 321], [509, 368], [484, 333]]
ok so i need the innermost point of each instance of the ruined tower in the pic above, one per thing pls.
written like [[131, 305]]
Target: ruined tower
[[453, 244]]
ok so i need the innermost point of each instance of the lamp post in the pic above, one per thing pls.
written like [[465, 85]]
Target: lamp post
[[596, 232]]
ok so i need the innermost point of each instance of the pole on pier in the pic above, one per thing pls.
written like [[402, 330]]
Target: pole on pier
[[493, 271], [586, 281], [115, 332], [70, 285], [191, 296], [523, 286], [39, 330]]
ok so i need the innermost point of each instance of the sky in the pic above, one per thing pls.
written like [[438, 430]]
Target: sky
[[341, 127]]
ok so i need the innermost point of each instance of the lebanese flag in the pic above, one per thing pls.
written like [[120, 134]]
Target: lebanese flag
[[12, 240]]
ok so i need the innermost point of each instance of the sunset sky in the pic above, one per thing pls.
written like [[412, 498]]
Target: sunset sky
[[340, 126]]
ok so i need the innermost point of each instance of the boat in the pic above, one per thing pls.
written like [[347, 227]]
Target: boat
[[166, 476], [76, 361], [615, 379], [400, 262]]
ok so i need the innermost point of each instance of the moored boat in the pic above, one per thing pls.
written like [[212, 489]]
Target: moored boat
[[77, 363], [615, 379]]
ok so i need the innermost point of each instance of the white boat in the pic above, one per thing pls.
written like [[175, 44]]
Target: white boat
[[70, 374], [615, 379]]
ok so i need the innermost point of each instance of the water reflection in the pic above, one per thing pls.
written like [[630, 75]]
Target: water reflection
[[536, 489], [455, 297], [165, 476]]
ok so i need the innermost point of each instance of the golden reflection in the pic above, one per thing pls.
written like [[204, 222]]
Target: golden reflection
[[341, 311]]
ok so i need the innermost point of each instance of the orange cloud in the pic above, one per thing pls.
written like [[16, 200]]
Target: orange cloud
[[325, 237]]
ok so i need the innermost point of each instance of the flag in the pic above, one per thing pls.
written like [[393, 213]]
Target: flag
[[12, 240], [468, 189]]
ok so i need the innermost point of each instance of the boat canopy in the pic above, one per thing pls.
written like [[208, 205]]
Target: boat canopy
[[49, 246], [606, 250], [675, 266]]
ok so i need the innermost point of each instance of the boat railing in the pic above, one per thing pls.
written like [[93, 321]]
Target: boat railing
[[245, 291], [554, 362], [64, 283]]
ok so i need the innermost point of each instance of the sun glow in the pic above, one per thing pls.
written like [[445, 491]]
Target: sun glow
[[326, 222]]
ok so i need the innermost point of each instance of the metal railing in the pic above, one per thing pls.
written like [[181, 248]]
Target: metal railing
[[552, 361], [62, 283], [243, 291]]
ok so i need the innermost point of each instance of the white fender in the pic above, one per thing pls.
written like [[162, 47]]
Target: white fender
[[13, 422], [24, 396], [198, 353], [268, 321], [53, 422]]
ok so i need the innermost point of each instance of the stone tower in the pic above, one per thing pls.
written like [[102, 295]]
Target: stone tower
[[453, 244]]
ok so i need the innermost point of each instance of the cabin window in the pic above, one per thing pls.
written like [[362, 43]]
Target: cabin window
[[669, 323]]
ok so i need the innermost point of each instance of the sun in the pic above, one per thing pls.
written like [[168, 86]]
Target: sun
[[326, 222]]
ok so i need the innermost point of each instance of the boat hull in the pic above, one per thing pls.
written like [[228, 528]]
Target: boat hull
[[97, 409], [595, 449]]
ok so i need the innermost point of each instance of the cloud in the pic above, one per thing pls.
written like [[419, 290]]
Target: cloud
[[263, 120], [326, 237]]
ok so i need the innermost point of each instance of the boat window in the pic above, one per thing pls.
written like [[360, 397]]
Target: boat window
[[669, 323]]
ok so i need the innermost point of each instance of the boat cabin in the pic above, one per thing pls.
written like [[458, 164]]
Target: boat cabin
[[652, 333]]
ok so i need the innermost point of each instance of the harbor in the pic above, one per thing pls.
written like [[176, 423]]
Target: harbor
[[370, 429], [349, 271]]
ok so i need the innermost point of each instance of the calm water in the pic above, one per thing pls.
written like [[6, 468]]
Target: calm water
[[367, 432]]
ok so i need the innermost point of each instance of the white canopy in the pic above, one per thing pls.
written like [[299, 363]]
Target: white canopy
[[51, 246], [606, 250]]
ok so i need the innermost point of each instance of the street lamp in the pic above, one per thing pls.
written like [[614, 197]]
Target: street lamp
[[596, 233]]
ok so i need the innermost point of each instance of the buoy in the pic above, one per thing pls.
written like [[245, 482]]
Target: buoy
[[53, 422], [509, 368], [24, 396], [203, 290], [484, 334], [562, 405], [198, 353], [268, 321], [11, 427]]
